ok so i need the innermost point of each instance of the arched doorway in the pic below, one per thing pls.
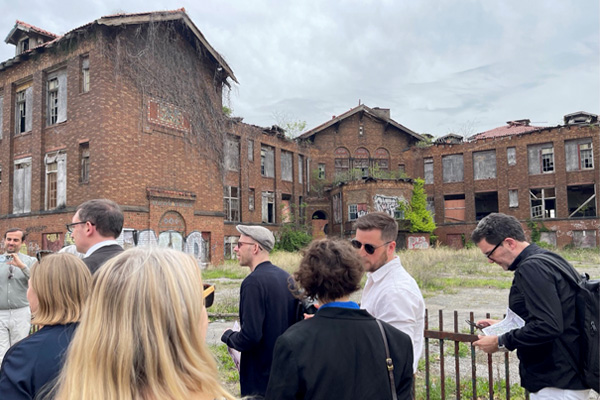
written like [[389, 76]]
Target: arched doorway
[[319, 221]]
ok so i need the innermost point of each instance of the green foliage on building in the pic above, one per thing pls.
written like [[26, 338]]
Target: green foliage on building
[[416, 212]]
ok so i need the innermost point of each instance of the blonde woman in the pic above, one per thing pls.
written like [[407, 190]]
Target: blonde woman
[[58, 288], [142, 334]]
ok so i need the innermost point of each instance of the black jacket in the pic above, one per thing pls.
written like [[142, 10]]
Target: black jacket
[[267, 309], [546, 301], [34, 361], [100, 256], [339, 354]]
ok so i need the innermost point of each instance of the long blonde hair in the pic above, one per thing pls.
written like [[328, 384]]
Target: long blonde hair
[[140, 335], [61, 283]]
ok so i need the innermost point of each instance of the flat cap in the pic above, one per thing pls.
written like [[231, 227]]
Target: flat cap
[[261, 235]]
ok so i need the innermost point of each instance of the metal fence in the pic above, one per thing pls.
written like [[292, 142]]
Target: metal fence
[[453, 339]]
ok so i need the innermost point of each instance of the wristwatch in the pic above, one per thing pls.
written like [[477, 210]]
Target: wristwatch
[[501, 342]]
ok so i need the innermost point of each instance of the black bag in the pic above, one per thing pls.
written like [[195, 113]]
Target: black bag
[[588, 313]]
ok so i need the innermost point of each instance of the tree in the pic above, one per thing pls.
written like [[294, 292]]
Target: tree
[[416, 212], [290, 125]]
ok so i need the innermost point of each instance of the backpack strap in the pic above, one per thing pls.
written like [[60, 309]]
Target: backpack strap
[[388, 361]]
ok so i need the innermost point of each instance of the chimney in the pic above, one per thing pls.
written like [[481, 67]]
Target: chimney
[[384, 112]]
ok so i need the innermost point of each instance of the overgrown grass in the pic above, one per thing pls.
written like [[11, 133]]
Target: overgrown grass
[[466, 389], [228, 373]]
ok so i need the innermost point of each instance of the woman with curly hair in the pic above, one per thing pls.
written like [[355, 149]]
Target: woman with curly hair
[[340, 352], [142, 334], [58, 287]]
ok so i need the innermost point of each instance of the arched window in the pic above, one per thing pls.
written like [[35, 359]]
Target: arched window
[[382, 159], [342, 160]]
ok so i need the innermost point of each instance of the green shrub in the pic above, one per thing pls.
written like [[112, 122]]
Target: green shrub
[[293, 240]]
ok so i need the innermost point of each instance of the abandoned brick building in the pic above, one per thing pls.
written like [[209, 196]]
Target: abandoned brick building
[[79, 121]]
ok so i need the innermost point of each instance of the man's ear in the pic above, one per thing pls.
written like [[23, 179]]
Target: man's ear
[[89, 228], [512, 243]]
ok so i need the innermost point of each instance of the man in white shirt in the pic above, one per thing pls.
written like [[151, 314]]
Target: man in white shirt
[[390, 294], [95, 227]]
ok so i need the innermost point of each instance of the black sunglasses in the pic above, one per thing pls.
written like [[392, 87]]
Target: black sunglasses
[[208, 294], [369, 248]]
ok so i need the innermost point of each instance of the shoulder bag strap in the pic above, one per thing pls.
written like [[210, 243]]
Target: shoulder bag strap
[[388, 361]]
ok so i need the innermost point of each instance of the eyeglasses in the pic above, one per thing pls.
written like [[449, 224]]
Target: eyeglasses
[[369, 248], [71, 225], [489, 255], [208, 295], [239, 244]]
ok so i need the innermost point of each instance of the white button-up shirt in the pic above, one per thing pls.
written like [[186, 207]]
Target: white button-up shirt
[[393, 296]]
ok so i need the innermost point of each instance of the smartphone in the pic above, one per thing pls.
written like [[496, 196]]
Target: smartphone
[[474, 325]]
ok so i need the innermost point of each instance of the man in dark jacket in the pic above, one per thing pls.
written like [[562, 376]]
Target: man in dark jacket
[[545, 300], [267, 309], [94, 228]]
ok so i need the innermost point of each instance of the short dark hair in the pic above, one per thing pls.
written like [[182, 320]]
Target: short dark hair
[[379, 220], [105, 214], [330, 269], [496, 227], [16, 230]]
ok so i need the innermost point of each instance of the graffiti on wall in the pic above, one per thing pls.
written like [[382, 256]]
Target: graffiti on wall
[[386, 204], [418, 242]]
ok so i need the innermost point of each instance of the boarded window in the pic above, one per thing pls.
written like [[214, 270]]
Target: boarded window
[[431, 206], [250, 150], [428, 170], [232, 153], [231, 203], [453, 168], [337, 208], [287, 172], [268, 207], [267, 161], [361, 161], [454, 208], [540, 158], [342, 160], [85, 74], [22, 186], [382, 159], [581, 200], [511, 156], [56, 97], [484, 164], [585, 239], [543, 203], [300, 169], [229, 244], [56, 180], [251, 199], [513, 198], [579, 154]]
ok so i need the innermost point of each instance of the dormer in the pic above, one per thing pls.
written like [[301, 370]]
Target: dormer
[[26, 37], [580, 118]]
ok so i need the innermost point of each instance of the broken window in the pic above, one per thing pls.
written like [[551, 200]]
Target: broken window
[[22, 186], [23, 45], [267, 161], [286, 210], [84, 162], [287, 173], [581, 200], [250, 150], [511, 156], [485, 203], [431, 206], [56, 179], [579, 154], [452, 168], [543, 203], [454, 208], [300, 169], [382, 159], [231, 204], [361, 161], [321, 171], [251, 199], [352, 212], [85, 74], [428, 170], [337, 208], [232, 153], [23, 108], [484, 164], [540, 158], [268, 207], [513, 198], [342, 160], [228, 246], [56, 97]]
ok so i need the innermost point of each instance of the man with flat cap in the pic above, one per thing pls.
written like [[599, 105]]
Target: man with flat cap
[[267, 309]]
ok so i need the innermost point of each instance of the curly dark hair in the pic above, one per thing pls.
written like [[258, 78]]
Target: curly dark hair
[[329, 270]]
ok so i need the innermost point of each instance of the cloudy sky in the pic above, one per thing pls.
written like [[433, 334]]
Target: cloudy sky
[[441, 66]]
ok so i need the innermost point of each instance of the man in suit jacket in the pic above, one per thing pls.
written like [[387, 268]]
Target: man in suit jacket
[[94, 229]]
